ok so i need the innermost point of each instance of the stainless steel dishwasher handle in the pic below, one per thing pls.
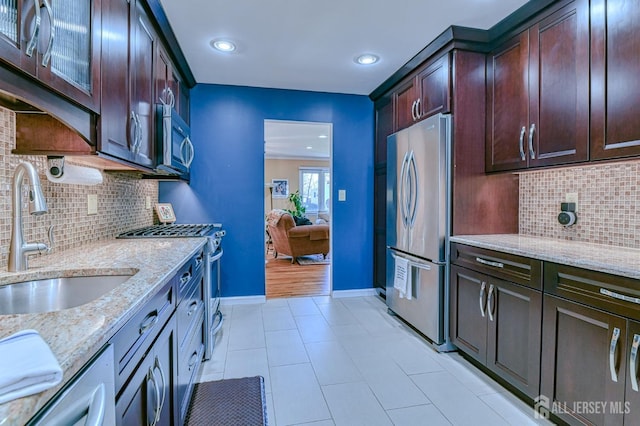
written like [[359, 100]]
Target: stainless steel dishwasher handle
[[633, 360], [612, 353], [489, 262], [483, 287], [522, 133]]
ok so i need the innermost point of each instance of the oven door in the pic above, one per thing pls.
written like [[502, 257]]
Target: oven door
[[214, 317]]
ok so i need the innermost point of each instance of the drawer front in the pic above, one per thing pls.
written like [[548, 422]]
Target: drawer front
[[509, 267], [187, 274], [131, 342], [608, 292], [189, 359], [189, 309]]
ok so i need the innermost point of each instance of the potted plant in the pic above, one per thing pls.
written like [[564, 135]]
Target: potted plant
[[296, 201]]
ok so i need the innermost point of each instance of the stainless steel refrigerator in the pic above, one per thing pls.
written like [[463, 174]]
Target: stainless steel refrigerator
[[418, 226]]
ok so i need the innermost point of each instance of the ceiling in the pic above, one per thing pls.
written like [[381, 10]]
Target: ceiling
[[296, 139], [311, 45]]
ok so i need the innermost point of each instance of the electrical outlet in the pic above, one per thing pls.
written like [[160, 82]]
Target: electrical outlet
[[147, 202], [92, 204], [572, 197], [342, 195]]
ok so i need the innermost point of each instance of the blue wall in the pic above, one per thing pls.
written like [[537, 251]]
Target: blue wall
[[227, 177]]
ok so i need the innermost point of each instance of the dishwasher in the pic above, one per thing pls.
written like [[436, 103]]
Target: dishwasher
[[88, 399]]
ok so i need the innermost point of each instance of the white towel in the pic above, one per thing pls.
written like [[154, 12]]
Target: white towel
[[27, 366], [402, 277]]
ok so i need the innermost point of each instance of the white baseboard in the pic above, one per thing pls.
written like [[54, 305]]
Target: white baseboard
[[354, 293], [243, 300]]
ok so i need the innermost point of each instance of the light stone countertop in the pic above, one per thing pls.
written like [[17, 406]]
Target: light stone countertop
[[598, 257], [75, 334]]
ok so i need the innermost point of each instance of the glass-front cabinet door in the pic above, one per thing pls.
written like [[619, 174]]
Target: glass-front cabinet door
[[56, 41]]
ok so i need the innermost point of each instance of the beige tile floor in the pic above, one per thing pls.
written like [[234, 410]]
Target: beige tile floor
[[347, 362]]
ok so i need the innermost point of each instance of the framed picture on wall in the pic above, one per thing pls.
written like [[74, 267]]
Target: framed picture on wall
[[280, 188]]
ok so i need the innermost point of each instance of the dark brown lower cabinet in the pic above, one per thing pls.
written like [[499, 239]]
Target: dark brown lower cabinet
[[584, 363], [499, 324], [150, 392]]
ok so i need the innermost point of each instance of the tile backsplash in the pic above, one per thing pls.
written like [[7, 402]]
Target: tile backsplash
[[121, 202], [608, 203]]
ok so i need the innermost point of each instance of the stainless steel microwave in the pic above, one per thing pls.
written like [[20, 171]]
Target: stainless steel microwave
[[175, 150]]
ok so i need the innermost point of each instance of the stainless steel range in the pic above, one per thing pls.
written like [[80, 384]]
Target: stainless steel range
[[214, 233]]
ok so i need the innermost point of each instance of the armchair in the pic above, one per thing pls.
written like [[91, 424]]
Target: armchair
[[295, 240]]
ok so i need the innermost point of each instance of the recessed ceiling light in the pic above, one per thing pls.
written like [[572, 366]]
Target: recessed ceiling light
[[367, 59], [323, 136], [223, 45], [309, 147]]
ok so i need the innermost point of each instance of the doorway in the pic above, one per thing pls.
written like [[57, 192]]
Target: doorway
[[298, 188]]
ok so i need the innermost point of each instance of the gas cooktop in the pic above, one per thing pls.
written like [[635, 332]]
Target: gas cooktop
[[175, 231]]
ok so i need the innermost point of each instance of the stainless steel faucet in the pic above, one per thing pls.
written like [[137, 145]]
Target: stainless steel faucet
[[18, 249]]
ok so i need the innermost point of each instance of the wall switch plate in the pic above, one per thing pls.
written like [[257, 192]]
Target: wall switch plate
[[147, 202], [92, 204], [342, 195], [572, 197]]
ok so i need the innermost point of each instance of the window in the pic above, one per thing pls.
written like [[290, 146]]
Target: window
[[315, 189]]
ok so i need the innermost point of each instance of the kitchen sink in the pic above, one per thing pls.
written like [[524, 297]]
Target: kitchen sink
[[54, 294]]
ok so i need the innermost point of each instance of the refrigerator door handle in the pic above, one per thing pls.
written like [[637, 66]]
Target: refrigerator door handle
[[412, 264], [413, 173], [403, 195]]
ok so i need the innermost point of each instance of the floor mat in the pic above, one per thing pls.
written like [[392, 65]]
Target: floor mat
[[229, 402], [313, 260]]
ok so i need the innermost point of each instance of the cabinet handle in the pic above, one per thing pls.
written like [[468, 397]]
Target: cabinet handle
[[418, 107], [149, 321], [522, 132], [139, 138], [619, 296], [171, 96], [157, 365], [489, 302], [413, 111], [482, 289], [489, 263], [151, 377], [185, 278], [134, 140], [36, 30], [612, 353], [532, 152], [192, 308], [193, 360], [52, 34], [633, 371]]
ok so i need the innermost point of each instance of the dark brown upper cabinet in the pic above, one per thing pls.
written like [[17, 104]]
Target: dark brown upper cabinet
[[425, 93], [538, 93], [128, 104], [58, 43], [615, 93]]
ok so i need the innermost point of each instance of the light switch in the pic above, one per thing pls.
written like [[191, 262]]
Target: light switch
[[342, 195], [92, 204]]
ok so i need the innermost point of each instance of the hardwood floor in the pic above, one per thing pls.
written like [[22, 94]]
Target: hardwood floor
[[284, 279]]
